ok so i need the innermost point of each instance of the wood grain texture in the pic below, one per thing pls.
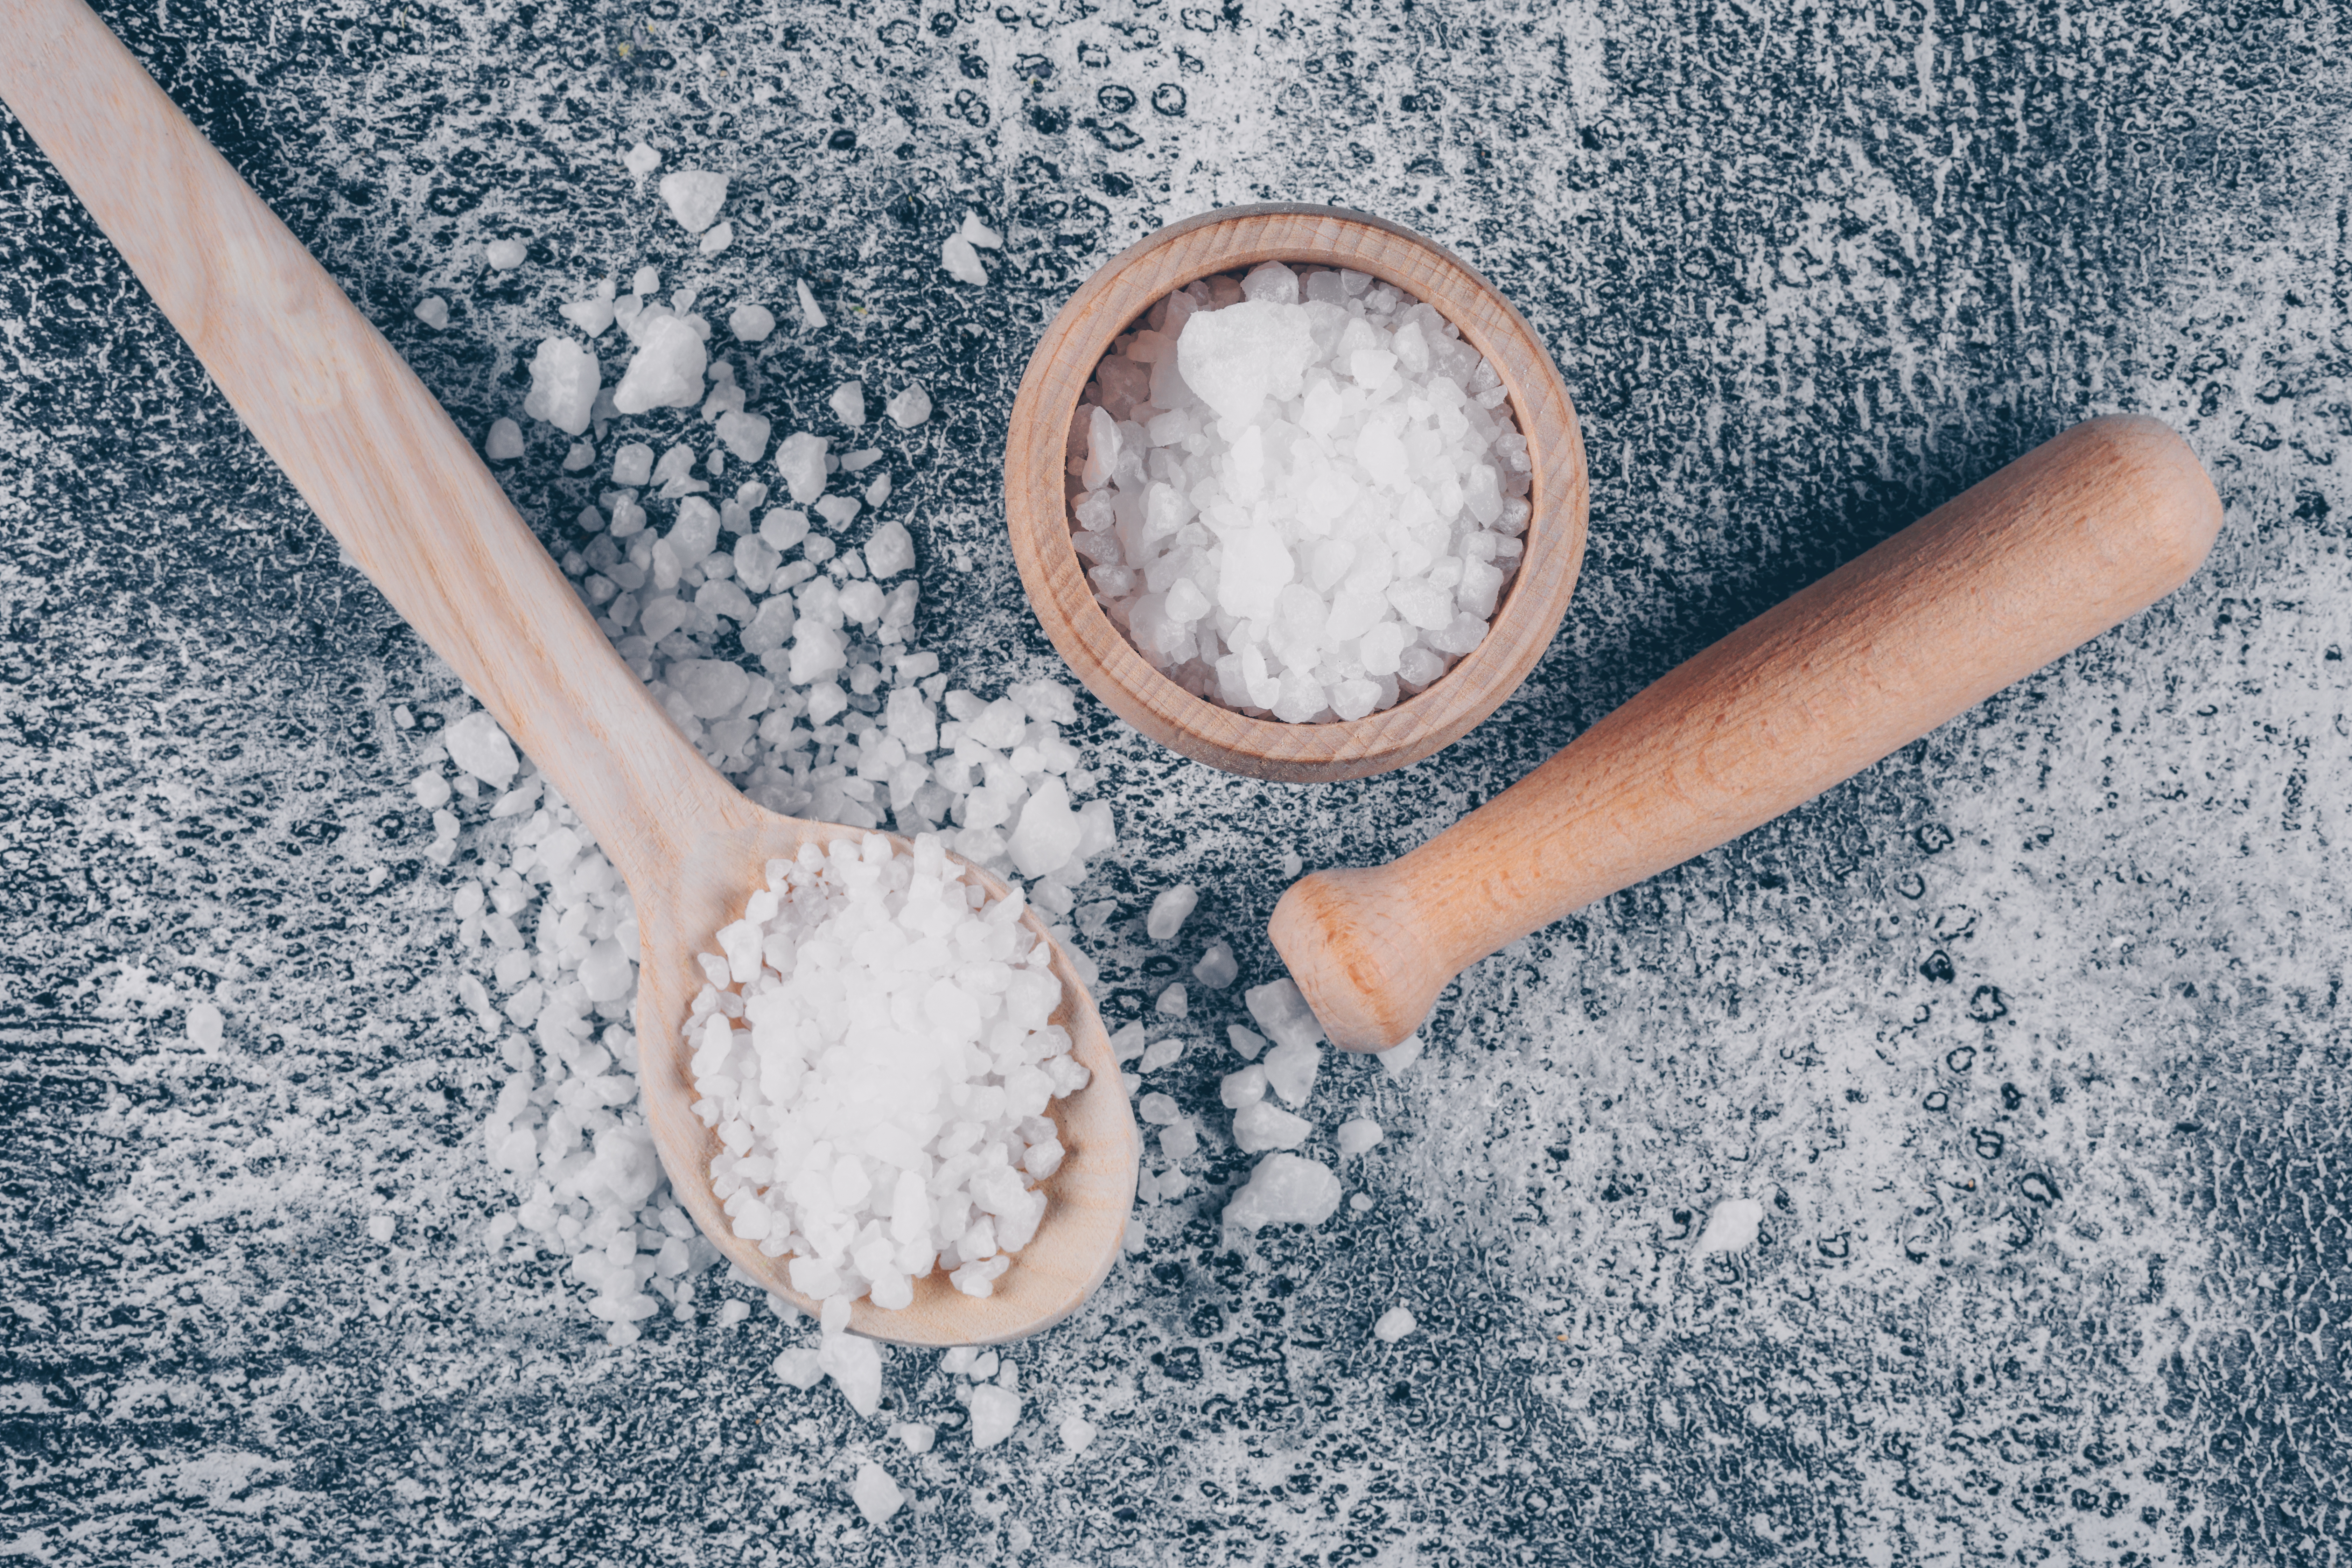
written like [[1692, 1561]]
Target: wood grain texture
[[404, 492], [2072, 539], [1037, 510]]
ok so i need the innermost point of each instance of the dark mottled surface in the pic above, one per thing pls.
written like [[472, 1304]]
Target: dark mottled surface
[[2031, 1038]]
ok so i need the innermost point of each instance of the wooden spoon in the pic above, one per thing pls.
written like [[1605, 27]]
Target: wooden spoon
[[2086, 529], [388, 473]]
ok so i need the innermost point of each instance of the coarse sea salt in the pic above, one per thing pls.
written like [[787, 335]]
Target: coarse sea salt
[[882, 1107], [1298, 494]]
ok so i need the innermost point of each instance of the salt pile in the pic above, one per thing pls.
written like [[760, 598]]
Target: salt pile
[[882, 1104], [1299, 494]]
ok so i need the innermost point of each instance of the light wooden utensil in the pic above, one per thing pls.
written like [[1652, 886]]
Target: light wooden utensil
[[385, 469], [1037, 492], [2072, 539]]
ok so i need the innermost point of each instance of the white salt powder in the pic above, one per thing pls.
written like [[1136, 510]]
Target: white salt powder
[[1300, 494]]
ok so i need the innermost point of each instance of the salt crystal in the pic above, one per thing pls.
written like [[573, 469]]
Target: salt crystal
[[433, 312], [750, 323], [506, 255], [633, 463], [1170, 911], [918, 1436], [380, 1227], [1358, 1134], [1285, 1189], [1393, 1325], [1161, 1054], [963, 261], [975, 232], [799, 1367], [889, 550], [641, 160], [1218, 968], [1260, 1124], [1077, 1433], [718, 238], [800, 459], [995, 1411], [1400, 1055], [908, 408], [810, 313], [1174, 1003], [694, 197], [855, 1367], [1159, 1109], [504, 443], [1246, 1043], [478, 745], [849, 403], [564, 381], [204, 1027], [666, 371], [877, 1497], [1180, 1141], [1283, 1012], [1732, 1226], [1243, 1086], [1291, 1066]]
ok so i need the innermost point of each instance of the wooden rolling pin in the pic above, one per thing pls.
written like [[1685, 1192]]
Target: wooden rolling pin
[[2072, 539]]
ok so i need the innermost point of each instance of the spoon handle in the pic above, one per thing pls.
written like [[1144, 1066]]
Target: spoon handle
[[361, 440], [2067, 541]]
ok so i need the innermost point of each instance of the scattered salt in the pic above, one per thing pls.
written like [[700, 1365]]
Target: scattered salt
[[1732, 1226], [1159, 1109], [810, 313], [641, 160], [1358, 1135], [918, 1436], [718, 238], [1174, 1002], [1246, 1043], [694, 197], [506, 255], [849, 403], [908, 408], [504, 443], [1285, 1189], [877, 1497], [433, 312], [995, 1411], [751, 323], [205, 1026], [1261, 1125], [1218, 968], [963, 261], [380, 1227], [1400, 1055], [1161, 1054], [1077, 1433], [1245, 1086], [1393, 1325], [1291, 1066], [1283, 1012], [564, 381], [668, 368], [974, 232], [800, 1367], [478, 745], [1170, 911]]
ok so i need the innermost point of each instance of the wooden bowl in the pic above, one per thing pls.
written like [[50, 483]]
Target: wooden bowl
[[1036, 494]]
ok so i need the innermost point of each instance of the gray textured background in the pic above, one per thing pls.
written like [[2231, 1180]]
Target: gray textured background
[[2031, 1038]]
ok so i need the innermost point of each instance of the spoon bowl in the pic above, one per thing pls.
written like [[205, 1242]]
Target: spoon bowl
[[402, 489]]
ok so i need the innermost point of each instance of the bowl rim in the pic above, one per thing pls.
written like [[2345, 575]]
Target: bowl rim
[[1038, 516]]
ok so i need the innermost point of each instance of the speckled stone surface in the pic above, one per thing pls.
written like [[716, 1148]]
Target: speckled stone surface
[[2030, 1040]]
